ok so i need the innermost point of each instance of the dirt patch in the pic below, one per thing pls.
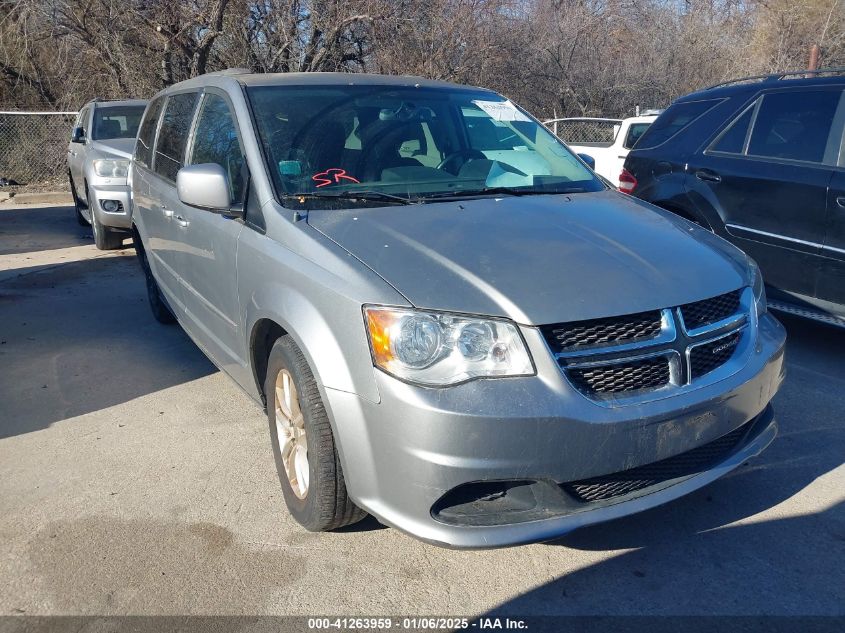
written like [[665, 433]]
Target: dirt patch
[[104, 565]]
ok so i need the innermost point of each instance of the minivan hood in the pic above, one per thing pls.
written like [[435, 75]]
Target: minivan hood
[[538, 259], [120, 147]]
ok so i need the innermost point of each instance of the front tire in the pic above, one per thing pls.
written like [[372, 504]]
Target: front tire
[[303, 445], [105, 239], [77, 203]]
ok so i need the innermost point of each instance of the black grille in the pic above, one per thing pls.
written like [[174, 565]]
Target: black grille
[[685, 464], [649, 373], [605, 331], [710, 310], [707, 357]]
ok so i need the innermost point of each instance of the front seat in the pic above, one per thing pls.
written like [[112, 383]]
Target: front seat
[[380, 143]]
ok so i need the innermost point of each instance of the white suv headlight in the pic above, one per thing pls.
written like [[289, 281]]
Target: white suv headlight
[[111, 168], [438, 349]]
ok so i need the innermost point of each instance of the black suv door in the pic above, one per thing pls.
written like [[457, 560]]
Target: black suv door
[[767, 175], [831, 279]]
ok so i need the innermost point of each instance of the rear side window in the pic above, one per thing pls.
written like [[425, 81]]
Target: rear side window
[[173, 135], [794, 125], [216, 141], [676, 118], [147, 133]]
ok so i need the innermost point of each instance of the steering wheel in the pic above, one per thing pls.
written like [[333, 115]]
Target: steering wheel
[[451, 164]]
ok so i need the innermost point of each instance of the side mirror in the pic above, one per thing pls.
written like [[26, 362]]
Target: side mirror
[[78, 135], [591, 162], [207, 187]]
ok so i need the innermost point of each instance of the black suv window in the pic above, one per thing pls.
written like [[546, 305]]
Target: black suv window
[[794, 125], [173, 135], [147, 133], [675, 119], [216, 141]]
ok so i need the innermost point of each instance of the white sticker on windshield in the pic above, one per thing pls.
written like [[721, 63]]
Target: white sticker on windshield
[[501, 110]]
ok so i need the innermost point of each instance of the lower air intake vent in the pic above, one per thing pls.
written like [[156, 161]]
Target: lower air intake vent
[[685, 464]]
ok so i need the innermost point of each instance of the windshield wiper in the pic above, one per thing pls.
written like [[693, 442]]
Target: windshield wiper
[[373, 196], [505, 191]]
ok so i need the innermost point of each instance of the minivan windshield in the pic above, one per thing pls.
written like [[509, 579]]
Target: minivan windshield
[[388, 145], [117, 121]]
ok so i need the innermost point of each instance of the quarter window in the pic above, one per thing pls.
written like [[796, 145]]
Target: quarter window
[[732, 140], [216, 141], [676, 118], [794, 125], [147, 133], [173, 135]]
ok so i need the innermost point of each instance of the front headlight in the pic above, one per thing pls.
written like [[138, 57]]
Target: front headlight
[[111, 168], [755, 280], [439, 349]]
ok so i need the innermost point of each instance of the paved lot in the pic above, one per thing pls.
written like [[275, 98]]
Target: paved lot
[[137, 479]]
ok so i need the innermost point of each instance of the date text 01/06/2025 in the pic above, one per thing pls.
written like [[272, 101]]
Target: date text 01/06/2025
[[415, 623]]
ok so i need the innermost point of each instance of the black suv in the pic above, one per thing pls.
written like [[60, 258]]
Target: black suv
[[761, 162]]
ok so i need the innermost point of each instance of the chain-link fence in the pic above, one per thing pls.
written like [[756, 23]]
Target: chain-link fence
[[33, 148], [584, 130]]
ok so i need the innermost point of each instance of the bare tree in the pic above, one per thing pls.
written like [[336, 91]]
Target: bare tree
[[565, 57], [300, 36]]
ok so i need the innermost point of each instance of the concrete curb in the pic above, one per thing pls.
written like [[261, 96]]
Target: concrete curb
[[49, 197]]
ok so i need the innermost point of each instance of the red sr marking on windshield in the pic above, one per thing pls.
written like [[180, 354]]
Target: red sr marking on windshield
[[332, 176]]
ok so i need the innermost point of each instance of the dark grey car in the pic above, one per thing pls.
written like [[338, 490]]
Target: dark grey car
[[453, 324]]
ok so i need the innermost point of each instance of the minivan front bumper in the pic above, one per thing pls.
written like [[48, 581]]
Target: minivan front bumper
[[492, 462]]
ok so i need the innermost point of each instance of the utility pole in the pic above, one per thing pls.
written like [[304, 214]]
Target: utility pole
[[813, 63]]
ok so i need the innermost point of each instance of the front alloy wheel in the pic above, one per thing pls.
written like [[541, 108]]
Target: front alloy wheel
[[303, 444], [290, 431]]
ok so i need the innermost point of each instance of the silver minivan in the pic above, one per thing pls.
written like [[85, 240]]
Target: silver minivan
[[452, 323]]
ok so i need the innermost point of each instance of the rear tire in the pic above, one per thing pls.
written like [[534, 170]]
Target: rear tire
[[309, 472], [161, 311]]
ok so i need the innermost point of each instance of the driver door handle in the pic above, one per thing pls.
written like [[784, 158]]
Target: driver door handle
[[708, 176], [841, 201], [181, 221]]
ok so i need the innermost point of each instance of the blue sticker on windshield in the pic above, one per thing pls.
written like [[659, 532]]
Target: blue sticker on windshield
[[290, 168]]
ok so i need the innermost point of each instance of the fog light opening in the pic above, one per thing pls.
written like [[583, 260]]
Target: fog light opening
[[110, 206], [488, 503]]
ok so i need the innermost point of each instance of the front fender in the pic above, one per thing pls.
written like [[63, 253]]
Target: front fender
[[336, 352], [314, 290]]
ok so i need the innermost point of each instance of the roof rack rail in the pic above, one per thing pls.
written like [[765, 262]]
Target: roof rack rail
[[839, 70], [230, 71]]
